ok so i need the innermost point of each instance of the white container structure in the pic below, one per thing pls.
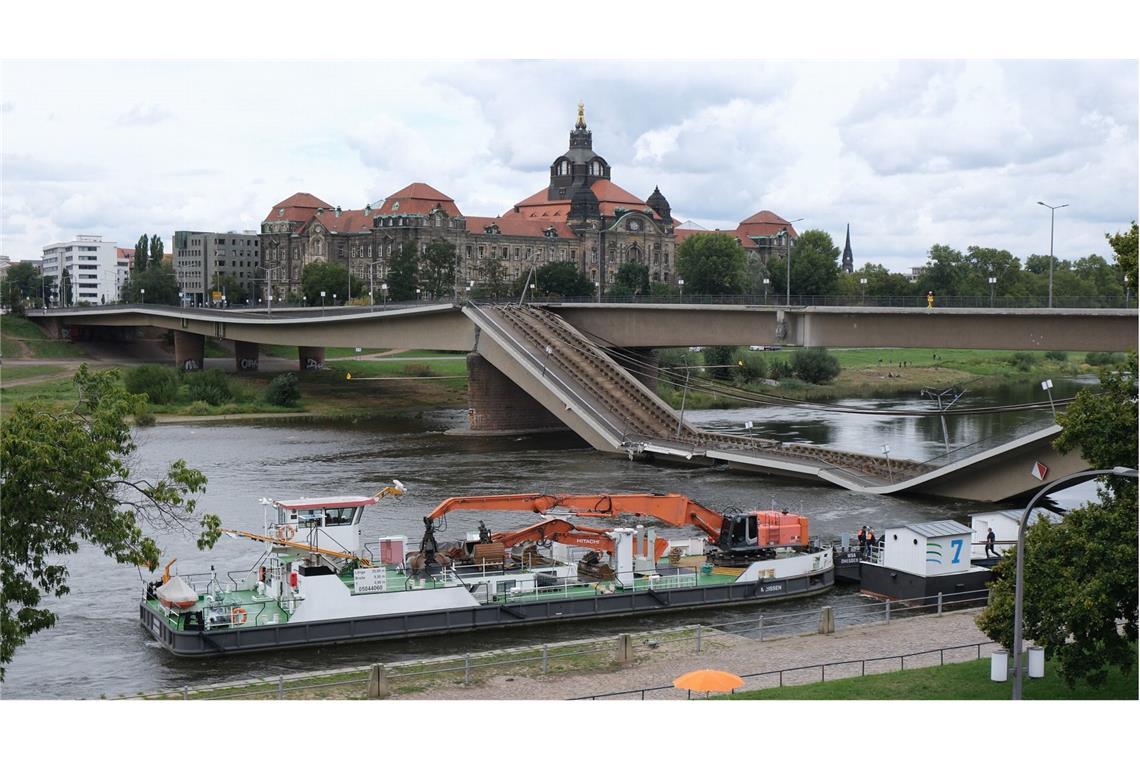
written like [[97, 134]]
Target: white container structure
[[928, 549], [1005, 523]]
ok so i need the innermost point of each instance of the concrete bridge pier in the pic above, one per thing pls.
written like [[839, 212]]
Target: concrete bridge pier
[[189, 351], [245, 355], [642, 364], [311, 357], [498, 406]]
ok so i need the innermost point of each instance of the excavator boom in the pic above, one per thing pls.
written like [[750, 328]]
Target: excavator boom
[[565, 532], [674, 508]]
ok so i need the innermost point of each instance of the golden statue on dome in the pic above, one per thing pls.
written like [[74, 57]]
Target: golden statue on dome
[[581, 115]]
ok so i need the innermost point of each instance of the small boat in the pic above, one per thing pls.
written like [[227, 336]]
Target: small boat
[[176, 593], [319, 581]]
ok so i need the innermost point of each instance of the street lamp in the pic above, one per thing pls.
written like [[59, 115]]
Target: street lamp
[[863, 282], [993, 281], [142, 294], [417, 294], [372, 283], [1052, 213], [1018, 593], [766, 281], [383, 294], [887, 454], [269, 285], [1127, 292], [182, 299], [788, 255], [322, 303], [681, 290]]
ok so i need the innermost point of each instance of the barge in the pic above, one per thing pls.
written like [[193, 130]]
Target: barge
[[319, 582]]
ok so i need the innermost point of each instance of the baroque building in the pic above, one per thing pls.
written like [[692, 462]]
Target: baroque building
[[581, 216]]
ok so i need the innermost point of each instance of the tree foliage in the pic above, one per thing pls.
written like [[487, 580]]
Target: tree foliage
[[22, 282], [712, 264], [437, 269], [157, 382], [156, 251], [632, 279], [284, 390], [1080, 590], [159, 282], [1124, 247], [562, 279], [814, 365], [404, 274], [141, 254], [815, 266], [329, 277], [68, 478], [492, 282]]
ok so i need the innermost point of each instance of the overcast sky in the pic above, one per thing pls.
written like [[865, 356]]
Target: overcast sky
[[910, 153]]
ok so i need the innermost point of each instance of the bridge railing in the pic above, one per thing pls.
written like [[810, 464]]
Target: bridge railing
[[913, 302]]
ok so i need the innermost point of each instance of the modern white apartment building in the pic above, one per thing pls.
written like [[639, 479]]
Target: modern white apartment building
[[92, 271], [205, 261]]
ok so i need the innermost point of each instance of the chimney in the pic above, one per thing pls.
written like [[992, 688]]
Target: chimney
[[338, 211]]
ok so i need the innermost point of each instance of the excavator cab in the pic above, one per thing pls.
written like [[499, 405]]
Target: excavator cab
[[738, 534]]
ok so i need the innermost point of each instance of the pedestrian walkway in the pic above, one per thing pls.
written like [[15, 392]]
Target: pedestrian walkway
[[738, 654]]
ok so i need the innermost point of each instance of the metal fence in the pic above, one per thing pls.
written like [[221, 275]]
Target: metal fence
[[784, 676], [542, 660]]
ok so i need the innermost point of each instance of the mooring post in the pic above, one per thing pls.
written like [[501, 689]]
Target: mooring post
[[545, 659], [826, 620], [939, 603], [760, 627], [466, 668], [624, 651], [698, 638], [888, 611], [378, 683], [186, 692], [281, 687]]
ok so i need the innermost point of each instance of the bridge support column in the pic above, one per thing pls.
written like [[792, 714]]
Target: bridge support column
[[245, 355], [189, 351], [497, 405], [311, 357], [642, 364]]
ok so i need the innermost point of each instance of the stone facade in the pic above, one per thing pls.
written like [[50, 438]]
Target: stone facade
[[581, 217]]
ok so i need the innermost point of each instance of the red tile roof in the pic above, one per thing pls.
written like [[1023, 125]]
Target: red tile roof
[[760, 224], [348, 221], [417, 198], [610, 198], [517, 224], [298, 207]]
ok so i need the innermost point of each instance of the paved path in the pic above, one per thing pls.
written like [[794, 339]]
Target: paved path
[[741, 655]]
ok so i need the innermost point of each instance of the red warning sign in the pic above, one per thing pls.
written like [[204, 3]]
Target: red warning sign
[[1039, 471]]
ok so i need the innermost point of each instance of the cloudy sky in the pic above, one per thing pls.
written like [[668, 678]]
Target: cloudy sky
[[910, 153]]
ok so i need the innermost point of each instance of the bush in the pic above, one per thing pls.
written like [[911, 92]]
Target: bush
[[1056, 356], [1023, 360], [144, 419], [814, 365], [208, 385], [779, 370], [1102, 358], [751, 365], [716, 359], [199, 408], [283, 390], [417, 369], [158, 383]]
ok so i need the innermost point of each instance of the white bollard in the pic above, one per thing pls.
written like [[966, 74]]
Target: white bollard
[[1036, 662], [999, 665]]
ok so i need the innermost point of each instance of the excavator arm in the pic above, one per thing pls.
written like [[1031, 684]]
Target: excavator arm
[[565, 532], [674, 509]]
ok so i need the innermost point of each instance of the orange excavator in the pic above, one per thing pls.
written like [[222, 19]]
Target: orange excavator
[[565, 532], [736, 534]]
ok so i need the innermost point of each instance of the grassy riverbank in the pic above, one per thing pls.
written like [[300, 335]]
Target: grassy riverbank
[[866, 372], [967, 680]]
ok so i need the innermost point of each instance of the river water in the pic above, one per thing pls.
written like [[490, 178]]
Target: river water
[[97, 647]]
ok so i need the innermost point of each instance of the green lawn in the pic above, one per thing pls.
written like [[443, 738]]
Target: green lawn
[[974, 361], [62, 390], [24, 371], [17, 333], [967, 681]]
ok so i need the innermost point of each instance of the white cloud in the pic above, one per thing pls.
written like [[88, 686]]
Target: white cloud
[[144, 115]]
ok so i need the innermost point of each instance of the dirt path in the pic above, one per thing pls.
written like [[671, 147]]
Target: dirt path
[[737, 654]]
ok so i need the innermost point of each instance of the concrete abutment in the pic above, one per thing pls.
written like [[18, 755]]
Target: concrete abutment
[[189, 350], [311, 358], [497, 405], [246, 355]]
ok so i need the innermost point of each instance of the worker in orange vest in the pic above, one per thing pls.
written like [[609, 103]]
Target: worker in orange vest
[[930, 299], [870, 541]]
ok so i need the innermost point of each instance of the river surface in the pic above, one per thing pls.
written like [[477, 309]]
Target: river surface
[[98, 648]]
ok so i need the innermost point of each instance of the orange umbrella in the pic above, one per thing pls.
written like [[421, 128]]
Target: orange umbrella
[[708, 680]]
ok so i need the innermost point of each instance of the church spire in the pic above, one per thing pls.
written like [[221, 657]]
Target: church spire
[[581, 123], [848, 257]]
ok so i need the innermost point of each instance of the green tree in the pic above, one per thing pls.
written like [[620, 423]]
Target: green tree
[[22, 282], [492, 282], [403, 274], [712, 264], [814, 365], [159, 282], [562, 279], [437, 269], [283, 390], [51, 502], [815, 266], [1080, 574], [945, 273], [1124, 246], [141, 255], [156, 250], [66, 293], [632, 279], [234, 291], [329, 277]]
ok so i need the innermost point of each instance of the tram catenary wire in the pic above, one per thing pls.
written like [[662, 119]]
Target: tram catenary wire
[[677, 380]]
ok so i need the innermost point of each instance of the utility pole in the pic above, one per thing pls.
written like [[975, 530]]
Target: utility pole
[[1052, 212]]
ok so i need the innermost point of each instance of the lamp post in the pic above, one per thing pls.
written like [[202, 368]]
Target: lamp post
[[1127, 292], [142, 294], [681, 290], [417, 294], [1018, 593], [383, 294], [372, 283], [322, 303], [766, 281], [863, 284], [1052, 213], [993, 281], [786, 244], [181, 299], [269, 286], [887, 454]]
